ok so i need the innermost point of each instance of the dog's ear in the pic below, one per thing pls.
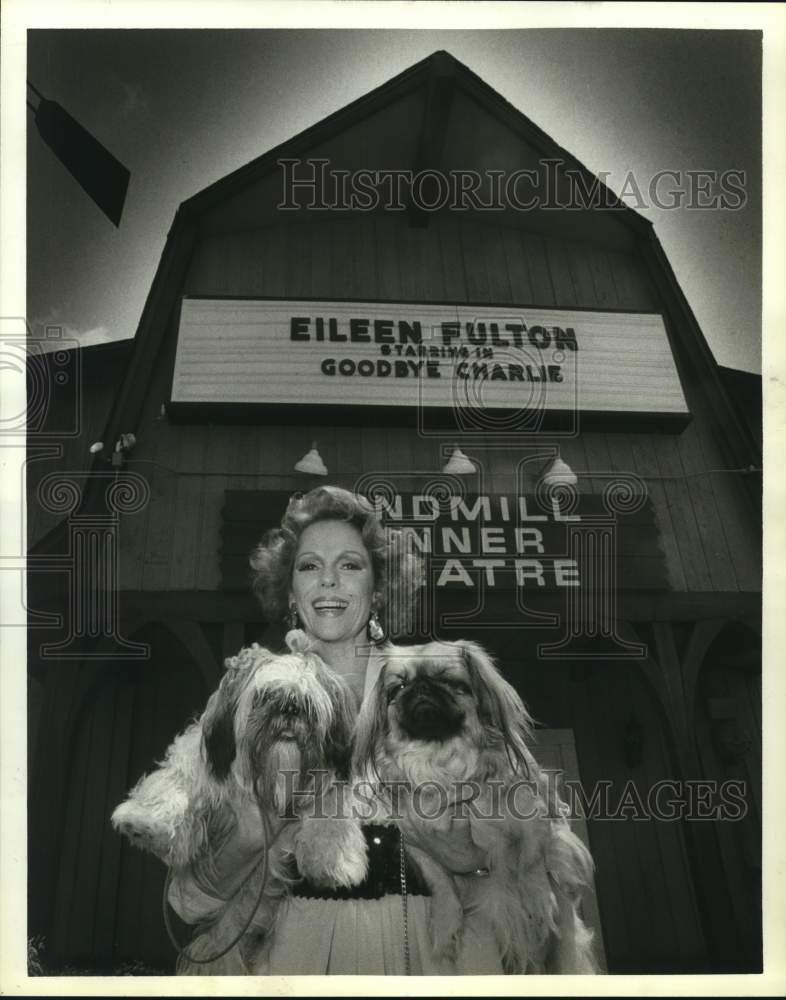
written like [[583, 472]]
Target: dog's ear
[[218, 735], [218, 724], [499, 706], [218, 720]]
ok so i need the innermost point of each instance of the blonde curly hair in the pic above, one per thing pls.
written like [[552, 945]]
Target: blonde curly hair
[[397, 568]]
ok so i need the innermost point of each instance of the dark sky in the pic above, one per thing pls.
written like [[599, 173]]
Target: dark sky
[[183, 108]]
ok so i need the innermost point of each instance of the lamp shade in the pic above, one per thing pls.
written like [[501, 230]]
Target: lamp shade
[[459, 464], [559, 474], [311, 463]]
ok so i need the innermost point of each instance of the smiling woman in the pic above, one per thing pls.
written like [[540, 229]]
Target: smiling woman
[[333, 592], [333, 569]]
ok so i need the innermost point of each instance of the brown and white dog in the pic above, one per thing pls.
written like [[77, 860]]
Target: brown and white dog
[[278, 724], [443, 721]]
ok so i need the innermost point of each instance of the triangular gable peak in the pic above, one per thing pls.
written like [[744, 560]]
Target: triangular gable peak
[[436, 116]]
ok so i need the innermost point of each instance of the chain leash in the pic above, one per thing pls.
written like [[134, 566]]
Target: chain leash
[[404, 902]]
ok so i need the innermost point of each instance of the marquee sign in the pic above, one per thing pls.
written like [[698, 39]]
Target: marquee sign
[[400, 356]]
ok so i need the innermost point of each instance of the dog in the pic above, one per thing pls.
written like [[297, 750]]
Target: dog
[[275, 736], [443, 721]]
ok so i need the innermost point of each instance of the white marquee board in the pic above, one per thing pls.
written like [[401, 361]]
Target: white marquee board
[[399, 354]]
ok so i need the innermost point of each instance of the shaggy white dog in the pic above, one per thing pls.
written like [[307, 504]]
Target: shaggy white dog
[[274, 736]]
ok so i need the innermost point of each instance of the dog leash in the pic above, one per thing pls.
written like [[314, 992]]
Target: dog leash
[[182, 952], [404, 901]]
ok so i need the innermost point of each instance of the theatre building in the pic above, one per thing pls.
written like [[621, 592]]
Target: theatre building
[[424, 299]]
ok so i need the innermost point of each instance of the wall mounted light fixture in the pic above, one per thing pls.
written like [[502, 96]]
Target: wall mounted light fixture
[[458, 464], [559, 473], [311, 463]]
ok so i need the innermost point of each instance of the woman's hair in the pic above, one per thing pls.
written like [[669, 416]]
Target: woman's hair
[[397, 569]]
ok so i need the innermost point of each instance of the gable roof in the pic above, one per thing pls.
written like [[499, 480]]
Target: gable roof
[[439, 77]]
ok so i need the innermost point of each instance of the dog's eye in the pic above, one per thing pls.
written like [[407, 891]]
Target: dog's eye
[[460, 687], [395, 690]]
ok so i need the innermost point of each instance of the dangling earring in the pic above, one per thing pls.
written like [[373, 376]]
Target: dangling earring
[[291, 618], [375, 630]]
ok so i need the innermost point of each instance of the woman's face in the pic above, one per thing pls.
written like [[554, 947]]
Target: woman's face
[[332, 581]]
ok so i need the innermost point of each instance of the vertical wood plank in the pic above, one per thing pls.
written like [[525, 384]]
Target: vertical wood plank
[[298, 257], [578, 262], [186, 525], [341, 277], [743, 539], [414, 281], [645, 463], [218, 459], [430, 242], [400, 457], [364, 263], [349, 456], [603, 279], [321, 286], [686, 531], [492, 242], [453, 273], [703, 500], [544, 291], [160, 537], [388, 272], [474, 261], [632, 283], [374, 451], [565, 292], [518, 269], [620, 452]]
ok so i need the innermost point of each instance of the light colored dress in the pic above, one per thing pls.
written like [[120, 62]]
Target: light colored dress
[[366, 937]]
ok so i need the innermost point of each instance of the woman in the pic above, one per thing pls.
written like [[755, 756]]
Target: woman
[[332, 570]]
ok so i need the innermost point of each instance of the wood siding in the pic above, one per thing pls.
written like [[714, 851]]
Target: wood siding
[[710, 539], [647, 903]]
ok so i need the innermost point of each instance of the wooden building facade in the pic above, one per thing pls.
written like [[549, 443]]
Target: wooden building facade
[[672, 693]]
